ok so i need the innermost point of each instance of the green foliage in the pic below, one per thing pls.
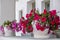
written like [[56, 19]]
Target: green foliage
[[6, 23]]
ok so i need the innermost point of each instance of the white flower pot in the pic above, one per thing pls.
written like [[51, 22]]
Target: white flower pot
[[1, 33], [8, 32], [38, 33], [18, 33], [41, 34]]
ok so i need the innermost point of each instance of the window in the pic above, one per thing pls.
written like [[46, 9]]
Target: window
[[20, 13], [30, 5], [47, 5], [33, 5]]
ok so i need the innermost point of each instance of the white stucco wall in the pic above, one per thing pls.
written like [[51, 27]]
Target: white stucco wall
[[55, 4], [0, 12], [21, 5], [38, 5], [29, 6], [7, 10]]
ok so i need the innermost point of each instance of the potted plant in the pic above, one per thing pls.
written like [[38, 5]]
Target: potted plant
[[41, 24], [8, 28], [46, 22]]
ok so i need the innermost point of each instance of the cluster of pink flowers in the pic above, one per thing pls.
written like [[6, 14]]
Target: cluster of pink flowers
[[12, 25], [26, 26], [45, 20], [16, 26]]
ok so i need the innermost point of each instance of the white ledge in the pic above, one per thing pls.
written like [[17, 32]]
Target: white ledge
[[24, 38]]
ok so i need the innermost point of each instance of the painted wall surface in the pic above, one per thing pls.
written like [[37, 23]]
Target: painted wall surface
[[21, 5], [0, 13], [38, 5], [29, 6], [7, 10]]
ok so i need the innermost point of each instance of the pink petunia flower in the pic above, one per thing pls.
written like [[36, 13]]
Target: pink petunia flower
[[52, 22], [45, 11], [39, 27], [30, 28], [53, 12], [56, 19], [23, 31], [36, 16], [28, 15], [43, 19]]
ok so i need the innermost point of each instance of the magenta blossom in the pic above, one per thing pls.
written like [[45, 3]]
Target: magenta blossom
[[53, 12], [45, 11], [2, 28], [56, 19], [24, 31], [8, 27], [36, 16], [30, 28], [28, 15], [43, 19], [19, 28], [39, 27]]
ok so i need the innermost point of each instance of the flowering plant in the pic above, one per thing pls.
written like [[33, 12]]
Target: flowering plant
[[7, 24], [12, 25], [16, 26], [26, 25], [44, 20], [48, 20]]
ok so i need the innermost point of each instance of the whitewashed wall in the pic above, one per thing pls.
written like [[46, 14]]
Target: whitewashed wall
[[7, 10], [29, 6], [0, 12], [20, 5], [38, 5]]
